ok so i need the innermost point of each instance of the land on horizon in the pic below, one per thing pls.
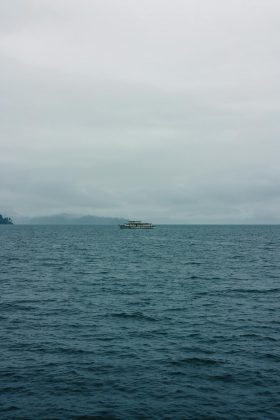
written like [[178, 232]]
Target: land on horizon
[[5, 220], [88, 219]]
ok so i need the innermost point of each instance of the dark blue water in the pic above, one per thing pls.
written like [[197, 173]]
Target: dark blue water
[[179, 322]]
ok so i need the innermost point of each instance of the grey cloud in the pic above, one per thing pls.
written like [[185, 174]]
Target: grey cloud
[[159, 109]]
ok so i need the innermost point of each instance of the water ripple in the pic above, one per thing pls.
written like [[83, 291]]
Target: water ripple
[[181, 322]]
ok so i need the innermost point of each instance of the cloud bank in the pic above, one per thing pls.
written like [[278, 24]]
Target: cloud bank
[[157, 110]]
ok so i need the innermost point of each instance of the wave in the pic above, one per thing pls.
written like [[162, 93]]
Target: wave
[[133, 315], [197, 361], [225, 377], [273, 357], [261, 291]]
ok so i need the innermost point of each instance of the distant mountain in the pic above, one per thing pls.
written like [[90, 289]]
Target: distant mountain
[[69, 219], [5, 220]]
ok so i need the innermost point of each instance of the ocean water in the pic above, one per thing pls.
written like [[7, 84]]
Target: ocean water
[[179, 322]]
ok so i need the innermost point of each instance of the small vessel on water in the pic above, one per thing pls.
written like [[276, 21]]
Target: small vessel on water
[[137, 224]]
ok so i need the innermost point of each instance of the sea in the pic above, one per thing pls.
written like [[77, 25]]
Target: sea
[[177, 322]]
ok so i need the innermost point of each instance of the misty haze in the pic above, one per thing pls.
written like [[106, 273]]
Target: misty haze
[[156, 110]]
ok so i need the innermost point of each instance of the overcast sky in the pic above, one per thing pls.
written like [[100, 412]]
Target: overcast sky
[[162, 110]]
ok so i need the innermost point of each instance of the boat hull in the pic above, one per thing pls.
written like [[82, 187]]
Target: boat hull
[[136, 227]]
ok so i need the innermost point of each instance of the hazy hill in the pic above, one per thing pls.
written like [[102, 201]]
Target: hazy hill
[[69, 219]]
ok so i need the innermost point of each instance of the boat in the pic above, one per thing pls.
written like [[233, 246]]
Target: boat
[[137, 224]]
